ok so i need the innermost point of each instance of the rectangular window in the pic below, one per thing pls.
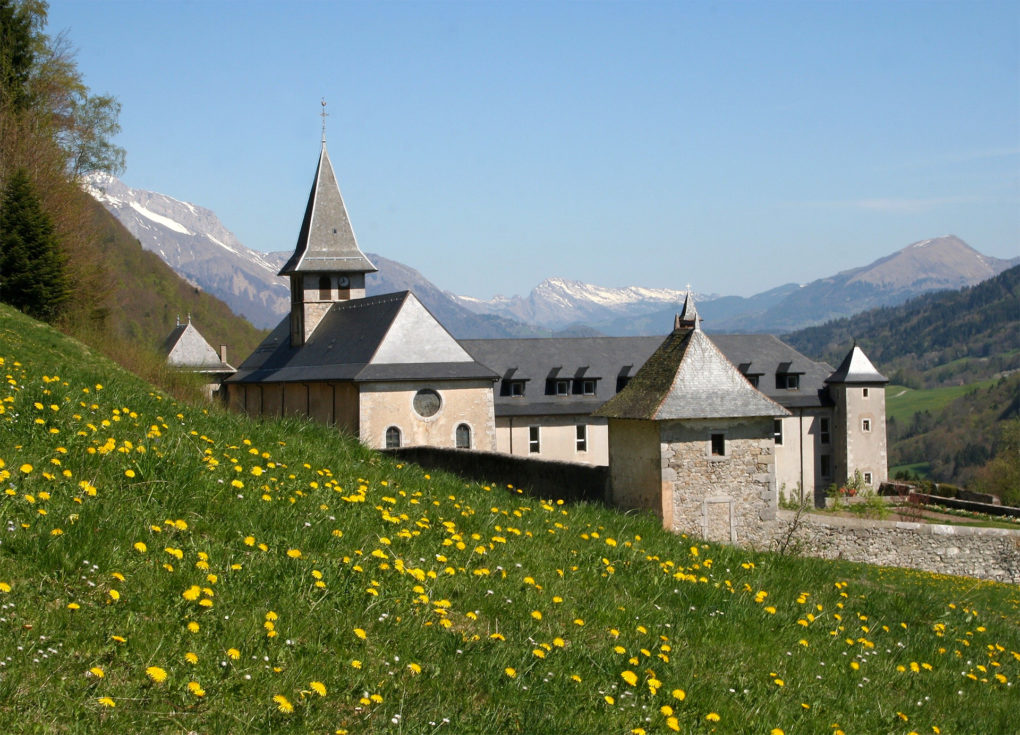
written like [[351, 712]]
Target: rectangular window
[[753, 379], [777, 431], [823, 431], [825, 466], [534, 446], [562, 387], [867, 478], [516, 388], [865, 392], [865, 424], [588, 387], [718, 445], [582, 438]]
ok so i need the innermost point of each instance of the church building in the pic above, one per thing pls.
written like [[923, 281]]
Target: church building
[[385, 370]]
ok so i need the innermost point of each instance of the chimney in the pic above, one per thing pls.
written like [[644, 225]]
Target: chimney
[[223, 354]]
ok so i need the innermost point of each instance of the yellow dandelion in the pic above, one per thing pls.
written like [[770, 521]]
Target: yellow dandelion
[[5, 587], [283, 704], [318, 687], [27, 468], [106, 702], [630, 677], [510, 671], [679, 694], [195, 688], [360, 633], [673, 724], [233, 653], [776, 731], [157, 674], [415, 668], [97, 672], [73, 606], [191, 657], [609, 700], [140, 547], [294, 553], [193, 627], [536, 614], [712, 717]]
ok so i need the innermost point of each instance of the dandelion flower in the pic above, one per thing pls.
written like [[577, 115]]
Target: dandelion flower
[[294, 553], [233, 653], [5, 587], [193, 627], [195, 688], [97, 672], [27, 468], [630, 677], [360, 633], [157, 674], [319, 688], [610, 700], [283, 704], [106, 702], [712, 717], [510, 671], [679, 694], [536, 614], [191, 658], [415, 668]]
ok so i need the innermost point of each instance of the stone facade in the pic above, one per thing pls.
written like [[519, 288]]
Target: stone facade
[[859, 417], [723, 498]]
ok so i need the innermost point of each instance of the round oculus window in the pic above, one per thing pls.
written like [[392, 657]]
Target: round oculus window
[[426, 402]]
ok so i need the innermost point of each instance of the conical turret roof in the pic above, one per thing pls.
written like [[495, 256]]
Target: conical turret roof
[[326, 243], [856, 368]]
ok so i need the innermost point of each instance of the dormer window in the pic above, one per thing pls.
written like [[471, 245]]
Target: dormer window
[[788, 381], [562, 387], [588, 387], [515, 388]]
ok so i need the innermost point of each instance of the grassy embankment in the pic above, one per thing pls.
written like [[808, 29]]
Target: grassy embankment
[[165, 568]]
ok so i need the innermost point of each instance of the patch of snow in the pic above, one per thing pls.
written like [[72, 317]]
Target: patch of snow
[[922, 244], [160, 219], [222, 245]]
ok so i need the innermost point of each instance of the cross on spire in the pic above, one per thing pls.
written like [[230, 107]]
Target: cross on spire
[[323, 115]]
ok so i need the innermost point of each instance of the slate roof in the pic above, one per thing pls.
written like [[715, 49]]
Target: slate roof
[[611, 358], [326, 243], [342, 347], [186, 348], [688, 377], [856, 368]]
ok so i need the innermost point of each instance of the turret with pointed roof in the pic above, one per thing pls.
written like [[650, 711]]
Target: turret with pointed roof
[[327, 265]]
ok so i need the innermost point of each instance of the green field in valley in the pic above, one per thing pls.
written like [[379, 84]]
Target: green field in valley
[[901, 403], [169, 568]]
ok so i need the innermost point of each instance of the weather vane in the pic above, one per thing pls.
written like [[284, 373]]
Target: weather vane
[[324, 115]]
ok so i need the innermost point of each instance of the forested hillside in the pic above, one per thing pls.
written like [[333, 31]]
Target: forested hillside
[[947, 337], [63, 258]]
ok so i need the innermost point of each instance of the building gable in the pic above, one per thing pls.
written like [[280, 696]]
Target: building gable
[[414, 335]]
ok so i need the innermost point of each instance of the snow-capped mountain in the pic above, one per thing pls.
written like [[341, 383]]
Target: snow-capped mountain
[[193, 241], [557, 302]]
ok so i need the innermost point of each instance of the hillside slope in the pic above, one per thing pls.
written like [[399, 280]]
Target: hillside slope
[[146, 297], [167, 568]]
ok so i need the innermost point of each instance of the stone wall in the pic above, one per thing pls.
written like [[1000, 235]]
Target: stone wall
[[723, 498], [984, 553]]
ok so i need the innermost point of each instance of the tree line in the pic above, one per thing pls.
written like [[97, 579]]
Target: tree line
[[53, 131]]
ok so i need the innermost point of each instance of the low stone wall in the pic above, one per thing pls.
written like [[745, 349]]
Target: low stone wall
[[968, 551], [537, 477], [966, 504]]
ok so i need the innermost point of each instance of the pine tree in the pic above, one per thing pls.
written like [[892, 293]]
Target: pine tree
[[32, 276]]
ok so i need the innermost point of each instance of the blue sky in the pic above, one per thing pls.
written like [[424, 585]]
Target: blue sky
[[732, 146]]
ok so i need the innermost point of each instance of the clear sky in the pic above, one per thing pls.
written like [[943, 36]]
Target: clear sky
[[733, 146]]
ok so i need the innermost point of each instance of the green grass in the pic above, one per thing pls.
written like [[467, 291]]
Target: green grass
[[921, 469], [901, 403], [420, 603]]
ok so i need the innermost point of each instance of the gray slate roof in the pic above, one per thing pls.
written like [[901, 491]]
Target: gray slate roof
[[688, 377], [187, 349], [856, 368], [326, 243], [342, 347], [538, 361]]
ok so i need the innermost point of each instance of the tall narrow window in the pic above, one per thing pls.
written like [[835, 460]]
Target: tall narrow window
[[867, 478], [865, 424], [718, 445], [777, 431], [825, 466], [534, 445], [865, 392], [562, 387], [463, 436], [392, 438], [325, 288], [582, 438], [823, 431], [588, 387]]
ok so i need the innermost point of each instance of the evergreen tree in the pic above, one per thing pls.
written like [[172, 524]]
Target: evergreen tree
[[32, 274]]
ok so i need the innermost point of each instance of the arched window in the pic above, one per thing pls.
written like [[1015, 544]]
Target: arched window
[[325, 288], [392, 438], [463, 436]]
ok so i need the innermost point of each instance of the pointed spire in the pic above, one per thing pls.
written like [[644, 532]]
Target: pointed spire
[[856, 368], [689, 316], [326, 243]]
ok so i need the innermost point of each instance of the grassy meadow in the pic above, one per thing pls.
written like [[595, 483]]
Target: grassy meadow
[[167, 568]]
